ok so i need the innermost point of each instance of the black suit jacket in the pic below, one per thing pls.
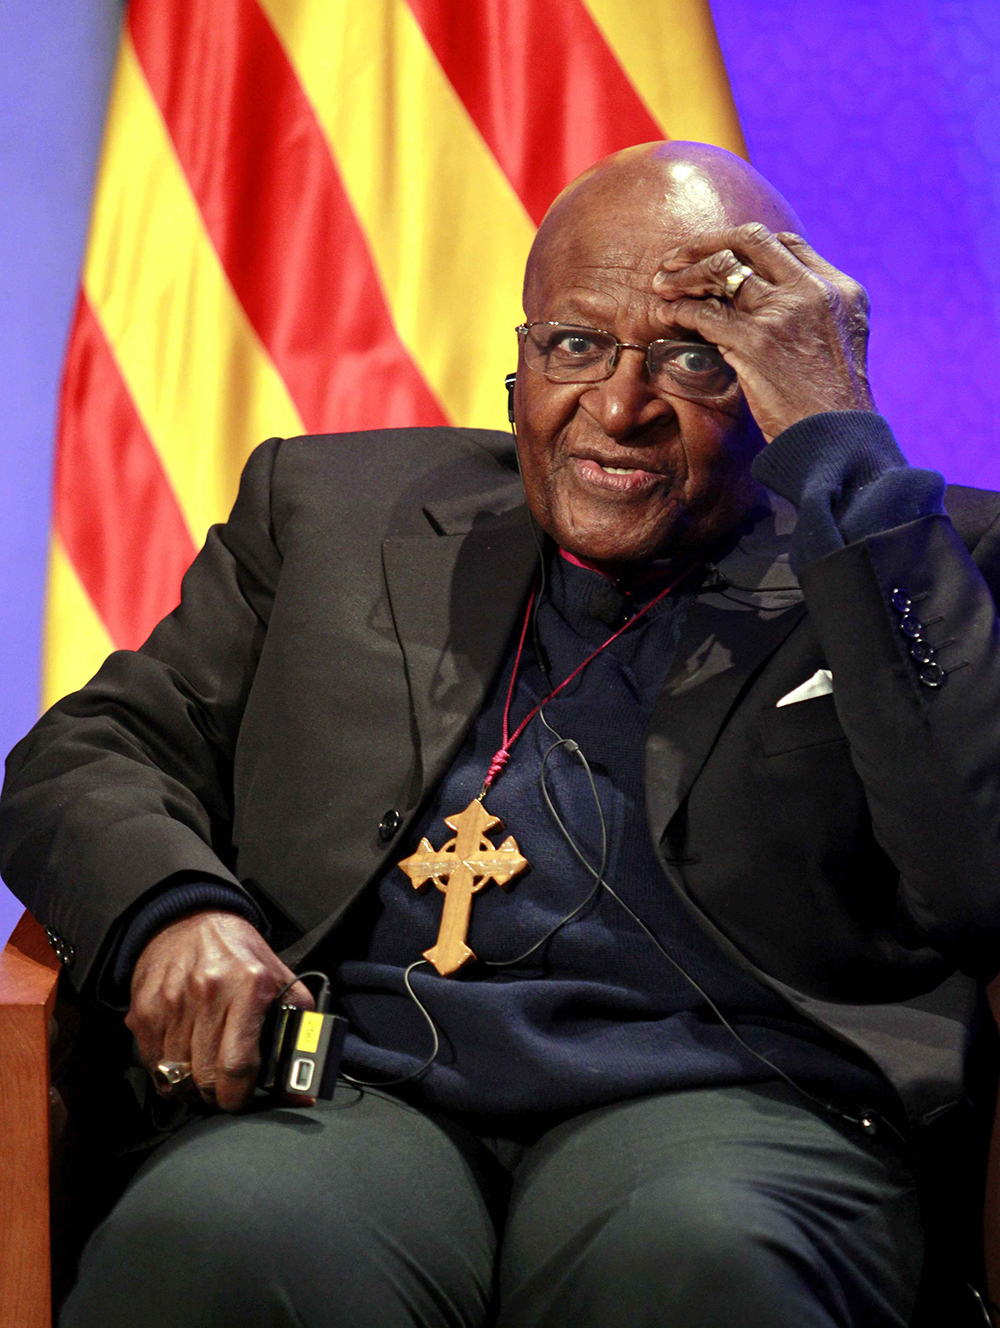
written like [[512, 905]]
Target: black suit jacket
[[337, 635]]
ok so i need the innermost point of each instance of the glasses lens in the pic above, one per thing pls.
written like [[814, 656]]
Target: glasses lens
[[689, 369], [567, 354]]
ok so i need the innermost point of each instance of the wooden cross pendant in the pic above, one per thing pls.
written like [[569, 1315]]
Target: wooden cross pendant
[[460, 869]]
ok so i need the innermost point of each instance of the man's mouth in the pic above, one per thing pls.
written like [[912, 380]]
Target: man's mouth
[[620, 479]]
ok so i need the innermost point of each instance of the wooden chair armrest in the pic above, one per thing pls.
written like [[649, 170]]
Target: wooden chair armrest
[[29, 972]]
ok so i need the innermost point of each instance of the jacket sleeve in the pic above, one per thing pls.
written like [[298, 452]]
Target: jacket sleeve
[[909, 629], [129, 780], [924, 736]]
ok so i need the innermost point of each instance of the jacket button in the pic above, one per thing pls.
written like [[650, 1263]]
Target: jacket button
[[388, 825], [932, 675], [921, 652], [64, 951], [911, 626], [901, 601]]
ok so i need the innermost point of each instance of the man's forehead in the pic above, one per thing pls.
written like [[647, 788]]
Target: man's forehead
[[615, 245], [584, 269], [610, 301], [619, 245], [586, 286]]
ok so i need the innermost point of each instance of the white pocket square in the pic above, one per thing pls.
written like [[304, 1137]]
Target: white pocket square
[[820, 684]]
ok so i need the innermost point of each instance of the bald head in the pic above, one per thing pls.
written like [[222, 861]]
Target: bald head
[[633, 205]]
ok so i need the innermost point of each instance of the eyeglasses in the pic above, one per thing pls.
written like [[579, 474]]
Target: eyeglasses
[[568, 354]]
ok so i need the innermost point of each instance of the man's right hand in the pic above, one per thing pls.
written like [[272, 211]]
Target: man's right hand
[[200, 991]]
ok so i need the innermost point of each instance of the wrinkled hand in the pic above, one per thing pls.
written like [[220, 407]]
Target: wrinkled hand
[[796, 332], [200, 992]]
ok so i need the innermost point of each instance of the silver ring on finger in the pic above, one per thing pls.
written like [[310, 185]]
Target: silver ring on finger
[[736, 279]]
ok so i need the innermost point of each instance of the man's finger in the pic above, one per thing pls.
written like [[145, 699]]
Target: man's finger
[[752, 244], [714, 275], [808, 256], [206, 1039], [174, 1049], [714, 319], [147, 1020], [225, 1073], [238, 1060]]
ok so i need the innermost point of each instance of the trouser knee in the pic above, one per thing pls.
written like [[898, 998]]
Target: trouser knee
[[666, 1259], [365, 1217], [185, 1254]]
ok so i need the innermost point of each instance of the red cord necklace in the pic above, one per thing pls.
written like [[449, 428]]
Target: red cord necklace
[[465, 864]]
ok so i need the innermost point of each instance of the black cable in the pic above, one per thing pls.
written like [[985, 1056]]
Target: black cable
[[570, 745], [723, 584], [574, 749], [323, 1004], [600, 881], [536, 639], [426, 1065], [322, 1000]]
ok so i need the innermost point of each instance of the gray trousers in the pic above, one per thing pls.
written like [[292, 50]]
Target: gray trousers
[[722, 1206]]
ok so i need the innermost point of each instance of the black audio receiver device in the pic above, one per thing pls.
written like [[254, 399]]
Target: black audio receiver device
[[301, 1049]]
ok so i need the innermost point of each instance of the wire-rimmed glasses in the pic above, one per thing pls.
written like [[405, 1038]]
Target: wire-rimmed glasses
[[566, 353]]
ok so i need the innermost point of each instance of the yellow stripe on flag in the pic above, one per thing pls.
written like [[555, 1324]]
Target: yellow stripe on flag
[[670, 51], [447, 233], [204, 387], [76, 644]]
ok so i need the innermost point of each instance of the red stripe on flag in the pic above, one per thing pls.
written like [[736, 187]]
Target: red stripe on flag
[[275, 208], [114, 508], [545, 90]]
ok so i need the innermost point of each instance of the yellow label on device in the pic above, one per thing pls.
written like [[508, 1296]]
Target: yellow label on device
[[309, 1031]]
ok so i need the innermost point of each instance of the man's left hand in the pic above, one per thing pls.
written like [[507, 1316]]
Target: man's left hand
[[796, 331]]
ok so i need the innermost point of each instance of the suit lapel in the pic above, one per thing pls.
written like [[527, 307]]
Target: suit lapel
[[724, 641], [719, 651], [455, 598]]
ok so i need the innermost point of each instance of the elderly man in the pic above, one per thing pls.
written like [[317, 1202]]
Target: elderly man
[[720, 717]]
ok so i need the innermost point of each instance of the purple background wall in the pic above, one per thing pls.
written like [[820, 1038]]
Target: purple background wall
[[881, 122], [55, 68]]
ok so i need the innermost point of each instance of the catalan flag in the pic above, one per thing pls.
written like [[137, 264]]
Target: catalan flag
[[313, 215]]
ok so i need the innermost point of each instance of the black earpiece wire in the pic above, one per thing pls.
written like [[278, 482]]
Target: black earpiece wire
[[722, 585], [536, 640], [574, 749], [599, 881], [426, 1064]]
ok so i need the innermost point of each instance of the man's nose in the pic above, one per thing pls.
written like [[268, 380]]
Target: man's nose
[[627, 401]]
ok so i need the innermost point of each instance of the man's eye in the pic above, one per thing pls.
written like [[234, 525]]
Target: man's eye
[[696, 360], [572, 344]]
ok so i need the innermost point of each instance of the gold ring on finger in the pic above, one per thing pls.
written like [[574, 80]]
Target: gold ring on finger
[[170, 1075], [736, 279]]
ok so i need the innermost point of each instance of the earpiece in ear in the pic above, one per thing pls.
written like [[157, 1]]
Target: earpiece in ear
[[508, 383]]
